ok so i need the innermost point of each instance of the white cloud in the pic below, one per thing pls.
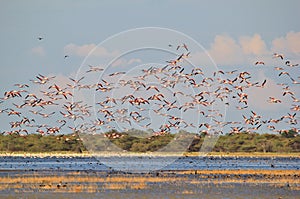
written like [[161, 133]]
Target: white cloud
[[288, 44], [134, 60], [118, 62], [124, 62], [226, 50], [39, 50], [88, 49], [253, 45]]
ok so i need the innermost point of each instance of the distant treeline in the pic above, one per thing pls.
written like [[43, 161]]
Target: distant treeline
[[241, 142]]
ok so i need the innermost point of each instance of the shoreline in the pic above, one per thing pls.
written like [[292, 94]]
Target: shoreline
[[148, 154]]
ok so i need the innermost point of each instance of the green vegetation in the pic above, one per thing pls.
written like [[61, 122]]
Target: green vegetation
[[243, 142], [39, 143]]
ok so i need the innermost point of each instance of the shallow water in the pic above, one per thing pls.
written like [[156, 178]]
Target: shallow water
[[148, 163], [184, 186]]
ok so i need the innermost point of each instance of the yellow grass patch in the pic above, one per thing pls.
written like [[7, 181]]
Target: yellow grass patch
[[114, 186], [82, 182]]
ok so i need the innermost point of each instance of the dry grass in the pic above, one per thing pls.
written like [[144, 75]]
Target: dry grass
[[242, 172], [82, 179], [82, 182], [187, 192], [245, 154]]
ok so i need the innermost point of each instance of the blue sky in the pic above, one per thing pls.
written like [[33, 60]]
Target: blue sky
[[85, 22], [75, 27]]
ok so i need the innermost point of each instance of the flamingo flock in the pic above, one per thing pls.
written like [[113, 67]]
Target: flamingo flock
[[164, 98]]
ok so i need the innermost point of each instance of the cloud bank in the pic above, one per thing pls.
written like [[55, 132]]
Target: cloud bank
[[226, 50]]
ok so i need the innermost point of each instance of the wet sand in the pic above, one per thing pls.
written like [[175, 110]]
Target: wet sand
[[158, 184]]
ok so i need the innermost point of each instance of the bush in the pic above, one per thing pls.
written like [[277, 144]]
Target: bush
[[242, 142]]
